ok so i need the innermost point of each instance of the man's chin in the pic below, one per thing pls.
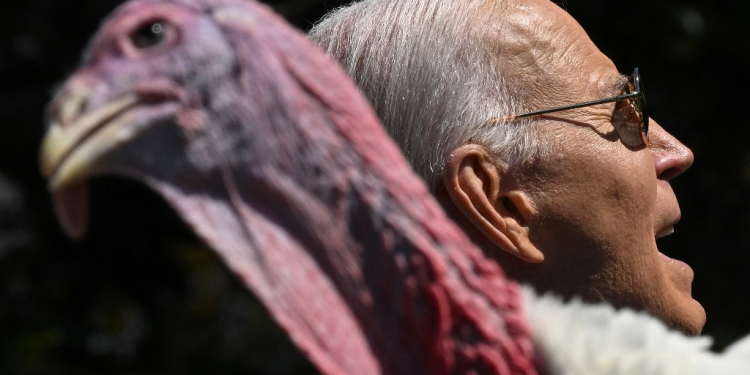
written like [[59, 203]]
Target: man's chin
[[691, 319], [688, 315]]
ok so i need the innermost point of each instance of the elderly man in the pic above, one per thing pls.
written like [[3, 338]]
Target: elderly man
[[571, 201]]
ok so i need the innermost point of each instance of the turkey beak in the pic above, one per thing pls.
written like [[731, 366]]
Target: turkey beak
[[65, 157], [71, 148]]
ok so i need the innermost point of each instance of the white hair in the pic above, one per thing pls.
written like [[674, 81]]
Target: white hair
[[430, 68]]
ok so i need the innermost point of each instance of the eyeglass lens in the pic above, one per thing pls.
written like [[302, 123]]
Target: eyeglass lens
[[630, 119]]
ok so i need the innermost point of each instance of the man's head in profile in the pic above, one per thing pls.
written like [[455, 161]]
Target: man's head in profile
[[572, 201]]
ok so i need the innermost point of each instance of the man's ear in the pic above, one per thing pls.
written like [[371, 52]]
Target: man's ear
[[482, 191]]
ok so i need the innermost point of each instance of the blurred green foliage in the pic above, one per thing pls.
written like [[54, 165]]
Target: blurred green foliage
[[141, 295]]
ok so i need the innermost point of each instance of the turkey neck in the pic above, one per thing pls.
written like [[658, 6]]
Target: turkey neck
[[313, 207]]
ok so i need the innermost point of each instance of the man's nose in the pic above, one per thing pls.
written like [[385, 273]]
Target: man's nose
[[671, 157]]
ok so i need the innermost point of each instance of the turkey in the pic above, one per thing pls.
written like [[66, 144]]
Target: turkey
[[267, 150]]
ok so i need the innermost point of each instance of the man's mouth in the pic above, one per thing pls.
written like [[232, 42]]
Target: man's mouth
[[680, 272], [668, 227], [665, 232]]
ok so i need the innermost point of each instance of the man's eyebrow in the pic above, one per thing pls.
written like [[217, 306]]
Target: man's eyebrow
[[618, 86]]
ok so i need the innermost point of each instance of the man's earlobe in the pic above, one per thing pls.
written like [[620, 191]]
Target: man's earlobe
[[482, 191]]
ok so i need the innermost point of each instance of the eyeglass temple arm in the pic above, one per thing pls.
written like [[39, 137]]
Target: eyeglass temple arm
[[630, 95]]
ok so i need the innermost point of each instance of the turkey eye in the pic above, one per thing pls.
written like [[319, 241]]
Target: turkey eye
[[149, 35]]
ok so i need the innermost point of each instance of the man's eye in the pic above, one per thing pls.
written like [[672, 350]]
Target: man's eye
[[625, 111], [627, 122], [149, 35]]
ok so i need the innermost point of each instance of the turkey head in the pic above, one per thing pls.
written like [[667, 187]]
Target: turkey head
[[267, 150]]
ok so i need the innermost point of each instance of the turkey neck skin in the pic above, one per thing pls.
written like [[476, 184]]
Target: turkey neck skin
[[299, 148]]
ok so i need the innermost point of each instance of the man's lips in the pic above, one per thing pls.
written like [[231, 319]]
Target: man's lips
[[681, 274]]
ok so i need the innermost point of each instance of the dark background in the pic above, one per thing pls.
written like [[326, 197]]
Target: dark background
[[140, 295]]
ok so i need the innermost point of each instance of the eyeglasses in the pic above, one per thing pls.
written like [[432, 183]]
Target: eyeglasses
[[630, 119]]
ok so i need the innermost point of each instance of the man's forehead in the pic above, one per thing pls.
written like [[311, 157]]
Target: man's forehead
[[540, 44]]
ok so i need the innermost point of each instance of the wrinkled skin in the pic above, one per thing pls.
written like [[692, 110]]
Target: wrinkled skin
[[597, 207]]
